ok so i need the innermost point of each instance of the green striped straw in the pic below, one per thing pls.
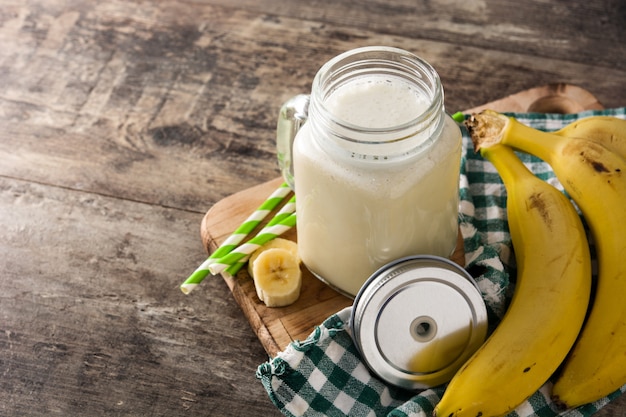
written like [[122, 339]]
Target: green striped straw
[[268, 233], [236, 237], [282, 214], [458, 117]]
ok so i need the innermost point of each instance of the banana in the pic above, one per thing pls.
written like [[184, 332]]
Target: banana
[[607, 130], [277, 277], [595, 178], [277, 242], [553, 283]]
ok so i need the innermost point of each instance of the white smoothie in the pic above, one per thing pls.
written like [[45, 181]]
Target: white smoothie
[[376, 103], [356, 215]]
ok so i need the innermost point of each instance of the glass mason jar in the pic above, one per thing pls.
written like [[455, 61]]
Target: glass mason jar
[[374, 162]]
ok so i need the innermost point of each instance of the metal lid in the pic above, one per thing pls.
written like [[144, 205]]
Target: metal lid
[[417, 320]]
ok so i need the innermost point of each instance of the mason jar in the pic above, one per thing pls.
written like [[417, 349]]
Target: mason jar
[[374, 161]]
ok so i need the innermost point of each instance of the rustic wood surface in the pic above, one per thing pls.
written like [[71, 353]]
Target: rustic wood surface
[[123, 122]]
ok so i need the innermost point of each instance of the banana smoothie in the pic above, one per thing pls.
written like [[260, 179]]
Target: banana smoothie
[[366, 201]]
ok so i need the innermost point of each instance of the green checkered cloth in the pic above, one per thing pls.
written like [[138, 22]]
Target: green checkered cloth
[[324, 375]]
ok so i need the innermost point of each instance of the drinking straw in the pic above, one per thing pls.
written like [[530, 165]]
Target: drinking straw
[[268, 233], [282, 214], [236, 237], [458, 117]]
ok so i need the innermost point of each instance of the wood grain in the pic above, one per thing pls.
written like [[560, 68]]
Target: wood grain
[[186, 112], [277, 327], [92, 322], [123, 122]]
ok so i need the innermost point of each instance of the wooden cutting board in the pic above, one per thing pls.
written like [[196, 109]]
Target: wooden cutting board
[[277, 327]]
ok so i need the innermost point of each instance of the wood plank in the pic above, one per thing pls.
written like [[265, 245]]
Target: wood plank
[[92, 320], [113, 97], [581, 32], [277, 327]]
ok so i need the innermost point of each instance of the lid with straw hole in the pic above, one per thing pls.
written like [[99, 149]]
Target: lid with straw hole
[[417, 320]]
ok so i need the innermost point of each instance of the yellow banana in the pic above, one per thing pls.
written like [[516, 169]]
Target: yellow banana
[[553, 283], [595, 178], [607, 130]]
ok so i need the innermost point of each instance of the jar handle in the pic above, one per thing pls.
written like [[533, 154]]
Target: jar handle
[[293, 113]]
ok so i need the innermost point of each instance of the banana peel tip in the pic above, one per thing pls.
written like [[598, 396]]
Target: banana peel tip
[[486, 128]]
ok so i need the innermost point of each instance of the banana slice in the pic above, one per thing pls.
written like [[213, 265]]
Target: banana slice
[[278, 242], [277, 277]]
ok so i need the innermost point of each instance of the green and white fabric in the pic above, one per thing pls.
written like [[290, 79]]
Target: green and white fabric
[[324, 375]]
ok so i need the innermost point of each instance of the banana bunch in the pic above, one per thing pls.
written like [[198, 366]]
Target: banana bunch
[[544, 332], [275, 269], [553, 257]]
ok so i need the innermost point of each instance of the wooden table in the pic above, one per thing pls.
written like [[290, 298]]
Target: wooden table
[[123, 122]]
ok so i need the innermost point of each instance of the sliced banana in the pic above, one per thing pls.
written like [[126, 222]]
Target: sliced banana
[[278, 242], [277, 277]]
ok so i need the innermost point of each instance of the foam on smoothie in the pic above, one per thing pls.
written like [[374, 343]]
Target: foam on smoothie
[[376, 102]]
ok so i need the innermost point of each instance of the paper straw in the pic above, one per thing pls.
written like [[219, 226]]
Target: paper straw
[[236, 237], [458, 117], [282, 214], [267, 234]]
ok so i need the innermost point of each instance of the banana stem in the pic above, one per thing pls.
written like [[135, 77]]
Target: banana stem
[[489, 128]]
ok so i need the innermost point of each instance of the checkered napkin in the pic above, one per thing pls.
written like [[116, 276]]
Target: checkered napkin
[[324, 375]]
